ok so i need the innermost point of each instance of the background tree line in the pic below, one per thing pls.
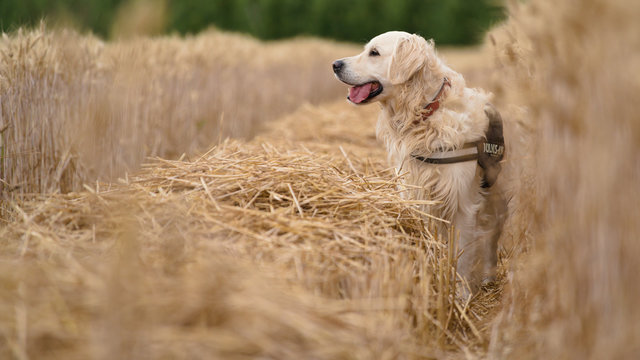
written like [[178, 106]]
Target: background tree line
[[458, 22]]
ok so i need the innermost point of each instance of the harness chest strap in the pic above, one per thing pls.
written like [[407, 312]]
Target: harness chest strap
[[488, 152], [467, 152]]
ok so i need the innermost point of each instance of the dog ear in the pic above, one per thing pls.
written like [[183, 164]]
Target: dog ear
[[409, 55]]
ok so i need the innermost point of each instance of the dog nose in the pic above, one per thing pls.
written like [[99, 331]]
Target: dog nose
[[337, 66]]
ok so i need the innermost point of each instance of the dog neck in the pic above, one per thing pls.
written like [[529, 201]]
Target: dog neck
[[434, 104], [413, 95]]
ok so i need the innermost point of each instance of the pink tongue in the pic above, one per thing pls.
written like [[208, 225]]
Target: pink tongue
[[358, 94]]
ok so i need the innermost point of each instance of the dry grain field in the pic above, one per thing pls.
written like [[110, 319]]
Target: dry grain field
[[214, 197]]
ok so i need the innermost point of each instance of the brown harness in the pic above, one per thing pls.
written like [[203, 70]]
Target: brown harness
[[488, 152]]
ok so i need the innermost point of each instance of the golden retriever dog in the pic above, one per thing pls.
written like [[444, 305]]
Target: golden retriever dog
[[445, 138]]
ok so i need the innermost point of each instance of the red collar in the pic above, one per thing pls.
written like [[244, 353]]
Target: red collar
[[434, 105]]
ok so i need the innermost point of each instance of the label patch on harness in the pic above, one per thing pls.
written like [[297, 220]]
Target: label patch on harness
[[491, 151], [494, 150]]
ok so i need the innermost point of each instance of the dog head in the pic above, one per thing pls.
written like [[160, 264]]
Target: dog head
[[388, 60]]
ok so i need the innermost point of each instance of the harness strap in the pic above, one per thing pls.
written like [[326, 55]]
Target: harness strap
[[468, 152], [488, 152]]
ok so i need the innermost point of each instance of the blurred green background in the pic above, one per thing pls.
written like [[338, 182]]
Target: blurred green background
[[456, 22]]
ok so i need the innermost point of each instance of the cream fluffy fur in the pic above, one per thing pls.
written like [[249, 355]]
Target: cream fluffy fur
[[411, 73]]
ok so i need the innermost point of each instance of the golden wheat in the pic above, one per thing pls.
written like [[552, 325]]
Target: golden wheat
[[75, 109], [574, 288], [283, 247], [295, 244]]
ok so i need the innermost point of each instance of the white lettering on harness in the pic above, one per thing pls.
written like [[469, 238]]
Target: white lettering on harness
[[493, 149]]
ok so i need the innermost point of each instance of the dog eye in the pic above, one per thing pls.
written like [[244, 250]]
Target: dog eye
[[374, 52]]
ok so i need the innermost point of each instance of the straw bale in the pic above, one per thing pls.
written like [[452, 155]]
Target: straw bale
[[573, 288], [74, 109], [296, 244], [288, 246]]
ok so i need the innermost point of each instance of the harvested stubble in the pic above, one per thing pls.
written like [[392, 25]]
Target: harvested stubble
[[173, 263], [267, 249], [74, 109]]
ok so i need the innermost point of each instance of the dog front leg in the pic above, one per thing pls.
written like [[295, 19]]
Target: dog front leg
[[471, 251]]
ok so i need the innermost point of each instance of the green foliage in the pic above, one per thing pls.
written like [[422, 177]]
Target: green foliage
[[447, 21], [95, 15]]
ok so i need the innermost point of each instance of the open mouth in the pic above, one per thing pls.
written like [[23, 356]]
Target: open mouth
[[362, 93]]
